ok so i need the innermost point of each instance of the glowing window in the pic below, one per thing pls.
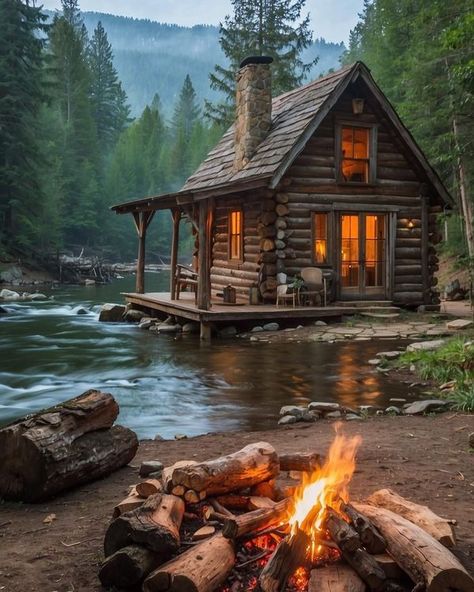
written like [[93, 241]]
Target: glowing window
[[320, 237], [355, 159], [235, 236]]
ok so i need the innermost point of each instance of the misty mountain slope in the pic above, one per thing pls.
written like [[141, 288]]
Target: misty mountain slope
[[154, 57]]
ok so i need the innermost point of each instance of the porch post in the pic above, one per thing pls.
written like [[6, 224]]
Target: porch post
[[142, 221], [203, 296], [174, 251]]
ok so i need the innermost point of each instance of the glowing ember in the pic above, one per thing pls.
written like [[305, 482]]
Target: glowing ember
[[325, 488]]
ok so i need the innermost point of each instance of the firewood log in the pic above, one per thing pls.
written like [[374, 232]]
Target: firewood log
[[203, 568], [148, 487], [191, 497], [370, 537], [256, 502], [335, 578], [234, 501], [423, 558], [63, 447], [256, 520], [154, 525], [390, 567], [266, 489], [350, 545], [128, 567], [253, 464], [439, 528], [167, 474], [307, 462], [131, 502]]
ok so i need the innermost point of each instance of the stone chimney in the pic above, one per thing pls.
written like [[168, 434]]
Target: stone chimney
[[253, 107]]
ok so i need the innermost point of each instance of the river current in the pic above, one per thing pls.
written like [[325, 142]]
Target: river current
[[170, 385]]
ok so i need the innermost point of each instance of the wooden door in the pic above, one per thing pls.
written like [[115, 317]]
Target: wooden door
[[363, 255]]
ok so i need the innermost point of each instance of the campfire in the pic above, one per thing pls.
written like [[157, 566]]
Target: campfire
[[241, 523]]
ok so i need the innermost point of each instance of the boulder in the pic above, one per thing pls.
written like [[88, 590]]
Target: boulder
[[80, 310], [320, 324], [389, 355], [112, 313], [150, 466], [11, 275], [190, 328], [9, 295], [375, 361], [37, 296], [368, 409], [393, 410], [146, 323], [134, 316], [353, 417], [323, 407], [166, 328], [293, 410], [458, 324], [420, 407], [257, 329], [333, 415], [230, 331], [425, 345], [287, 420], [271, 327]]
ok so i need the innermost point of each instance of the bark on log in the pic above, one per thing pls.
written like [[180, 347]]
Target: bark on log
[[203, 568], [423, 558], [439, 528], [370, 537], [167, 474], [307, 462], [154, 525], [257, 520], [131, 502], [335, 578], [128, 567], [251, 465], [148, 487], [63, 447], [350, 544]]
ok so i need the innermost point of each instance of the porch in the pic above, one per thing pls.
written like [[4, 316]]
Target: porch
[[186, 308]]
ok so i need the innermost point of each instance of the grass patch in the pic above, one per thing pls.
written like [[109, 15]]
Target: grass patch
[[452, 361]]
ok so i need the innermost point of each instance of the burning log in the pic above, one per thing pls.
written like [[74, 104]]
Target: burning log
[[423, 558], [335, 578], [62, 447], [128, 567], [370, 537], [148, 487], [155, 525], [257, 520], [439, 528], [350, 545], [202, 568], [131, 502], [253, 464], [306, 462]]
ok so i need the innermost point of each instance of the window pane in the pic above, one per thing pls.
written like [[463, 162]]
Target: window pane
[[355, 154], [320, 237], [235, 235], [375, 250], [350, 250]]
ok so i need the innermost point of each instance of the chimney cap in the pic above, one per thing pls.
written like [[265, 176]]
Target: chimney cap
[[255, 60]]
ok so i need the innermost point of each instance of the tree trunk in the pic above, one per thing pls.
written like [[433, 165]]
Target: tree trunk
[[423, 558], [63, 447], [203, 568], [154, 525], [335, 578], [128, 567], [439, 528], [253, 464]]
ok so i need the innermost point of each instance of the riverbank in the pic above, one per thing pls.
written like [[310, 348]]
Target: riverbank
[[426, 459]]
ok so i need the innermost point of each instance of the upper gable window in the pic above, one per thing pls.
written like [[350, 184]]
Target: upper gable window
[[356, 163]]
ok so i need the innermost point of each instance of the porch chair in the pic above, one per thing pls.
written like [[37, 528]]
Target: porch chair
[[186, 278], [282, 295], [316, 283]]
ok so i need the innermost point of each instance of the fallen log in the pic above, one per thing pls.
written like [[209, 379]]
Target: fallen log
[[306, 462], [154, 525], [148, 487], [256, 520], [370, 537], [428, 563], [202, 568], [439, 528], [253, 464], [63, 447], [131, 502], [350, 545], [128, 567], [335, 578]]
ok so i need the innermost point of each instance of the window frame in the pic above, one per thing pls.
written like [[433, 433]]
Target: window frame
[[231, 259], [372, 159]]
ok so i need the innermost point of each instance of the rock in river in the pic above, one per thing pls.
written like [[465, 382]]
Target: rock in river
[[9, 295], [112, 313]]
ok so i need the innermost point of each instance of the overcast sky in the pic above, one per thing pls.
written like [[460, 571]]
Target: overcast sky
[[331, 19]]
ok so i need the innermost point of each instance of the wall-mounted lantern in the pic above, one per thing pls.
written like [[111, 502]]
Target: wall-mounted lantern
[[357, 106]]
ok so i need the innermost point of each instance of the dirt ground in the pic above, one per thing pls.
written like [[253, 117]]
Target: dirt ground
[[426, 459]]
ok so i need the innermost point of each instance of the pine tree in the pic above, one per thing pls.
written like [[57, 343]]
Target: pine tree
[[21, 93], [109, 108], [261, 27]]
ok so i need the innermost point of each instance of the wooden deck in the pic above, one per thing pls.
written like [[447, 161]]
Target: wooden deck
[[186, 308]]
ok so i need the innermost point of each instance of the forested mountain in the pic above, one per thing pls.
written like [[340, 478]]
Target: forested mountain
[[152, 57]]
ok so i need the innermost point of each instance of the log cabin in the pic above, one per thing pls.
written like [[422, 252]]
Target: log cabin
[[323, 176]]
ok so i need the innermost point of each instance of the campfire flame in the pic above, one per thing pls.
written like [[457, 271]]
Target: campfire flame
[[327, 487]]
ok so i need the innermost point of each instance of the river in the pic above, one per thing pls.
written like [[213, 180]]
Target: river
[[170, 385]]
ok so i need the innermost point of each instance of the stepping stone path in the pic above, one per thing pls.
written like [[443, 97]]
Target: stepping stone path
[[426, 345], [459, 324], [420, 407]]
